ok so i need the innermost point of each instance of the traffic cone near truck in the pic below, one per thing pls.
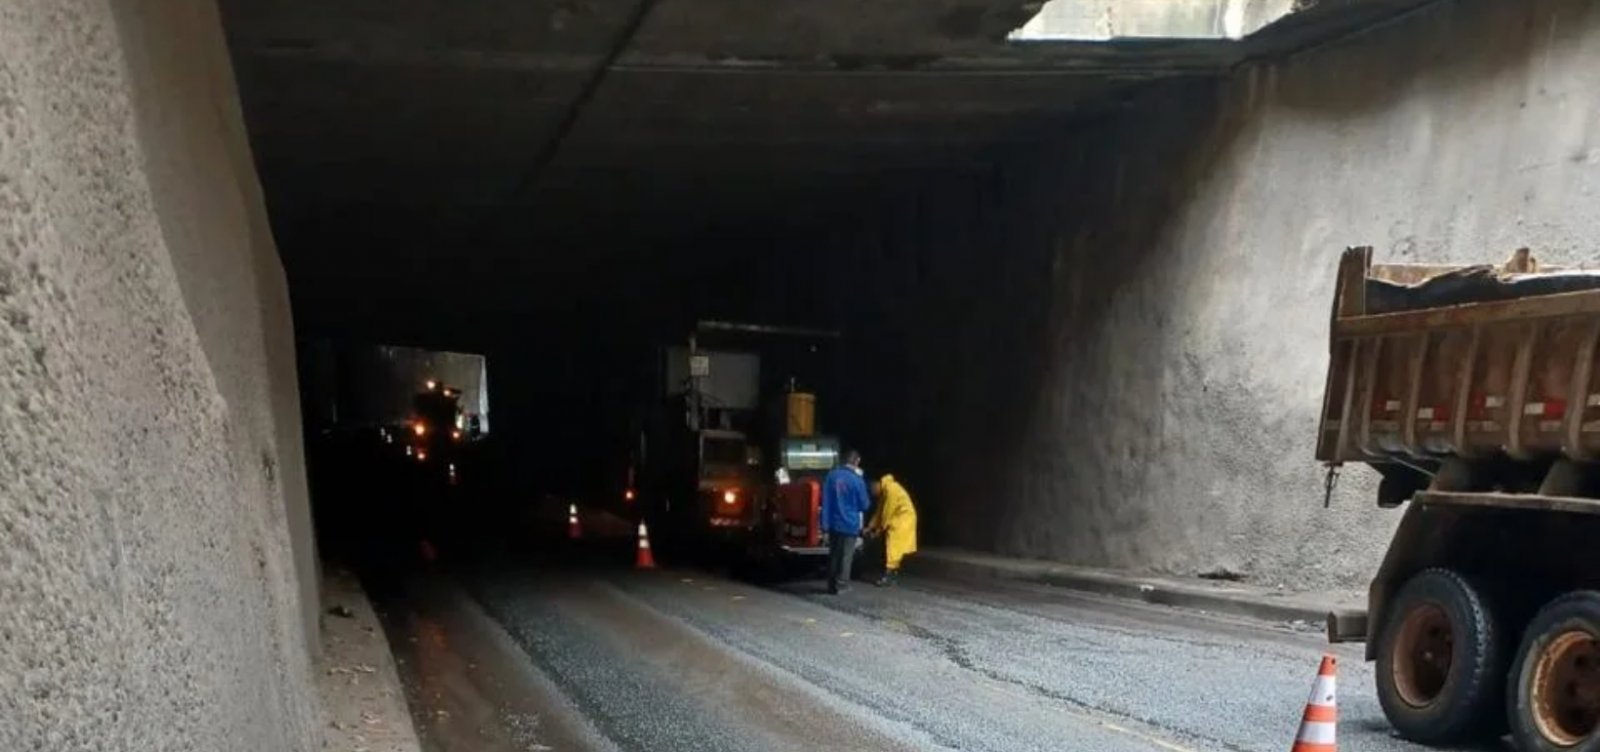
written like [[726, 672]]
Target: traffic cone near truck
[[1320, 724]]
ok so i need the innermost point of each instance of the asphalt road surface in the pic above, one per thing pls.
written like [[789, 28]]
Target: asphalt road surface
[[531, 658]]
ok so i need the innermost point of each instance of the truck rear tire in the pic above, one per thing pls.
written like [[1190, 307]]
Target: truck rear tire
[[1441, 667], [1554, 690]]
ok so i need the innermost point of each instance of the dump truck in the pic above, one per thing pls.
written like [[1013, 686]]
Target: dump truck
[[1474, 392]]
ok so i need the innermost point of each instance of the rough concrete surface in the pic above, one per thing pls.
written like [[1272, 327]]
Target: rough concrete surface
[[154, 539], [1118, 341], [362, 698]]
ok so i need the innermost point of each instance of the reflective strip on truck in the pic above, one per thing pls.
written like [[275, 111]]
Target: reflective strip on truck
[[1546, 409], [1479, 405]]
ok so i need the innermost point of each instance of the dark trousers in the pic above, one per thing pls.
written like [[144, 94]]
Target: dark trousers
[[841, 549]]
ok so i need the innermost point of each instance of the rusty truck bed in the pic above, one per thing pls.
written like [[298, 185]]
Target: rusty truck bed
[[1514, 378]]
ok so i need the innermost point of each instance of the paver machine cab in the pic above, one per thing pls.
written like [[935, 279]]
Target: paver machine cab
[[729, 461]]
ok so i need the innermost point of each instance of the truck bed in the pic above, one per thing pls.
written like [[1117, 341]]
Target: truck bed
[[1433, 361]]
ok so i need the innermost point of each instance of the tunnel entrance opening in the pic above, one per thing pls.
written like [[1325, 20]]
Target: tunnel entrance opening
[[563, 187]]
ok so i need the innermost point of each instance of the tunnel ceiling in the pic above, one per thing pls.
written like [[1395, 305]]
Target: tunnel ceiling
[[395, 139]]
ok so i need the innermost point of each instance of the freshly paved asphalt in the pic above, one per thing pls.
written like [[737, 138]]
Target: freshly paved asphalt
[[586, 656]]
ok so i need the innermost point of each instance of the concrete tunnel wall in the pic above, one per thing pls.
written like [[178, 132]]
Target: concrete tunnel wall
[[1115, 346], [155, 550]]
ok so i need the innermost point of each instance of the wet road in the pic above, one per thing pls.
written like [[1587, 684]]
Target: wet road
[[681, 660]]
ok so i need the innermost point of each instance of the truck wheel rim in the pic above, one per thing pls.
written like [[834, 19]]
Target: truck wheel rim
[[1566, 688], [1423, 654]]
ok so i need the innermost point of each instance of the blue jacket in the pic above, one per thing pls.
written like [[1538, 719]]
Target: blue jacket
[[845, 500]]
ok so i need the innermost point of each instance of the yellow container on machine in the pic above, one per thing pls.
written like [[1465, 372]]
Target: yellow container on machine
[[802, 412]]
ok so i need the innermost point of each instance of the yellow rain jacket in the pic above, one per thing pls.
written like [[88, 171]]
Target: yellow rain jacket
[[896, 515]]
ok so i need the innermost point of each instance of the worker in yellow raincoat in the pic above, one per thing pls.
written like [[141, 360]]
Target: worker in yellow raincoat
[[896, 517]]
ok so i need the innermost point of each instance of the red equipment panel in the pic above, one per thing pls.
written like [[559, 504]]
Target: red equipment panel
[[800, 512]]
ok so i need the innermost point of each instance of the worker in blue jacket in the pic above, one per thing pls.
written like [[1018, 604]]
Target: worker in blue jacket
[[845, 500]]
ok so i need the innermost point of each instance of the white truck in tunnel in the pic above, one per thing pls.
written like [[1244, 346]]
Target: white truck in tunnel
[[1475, 392]]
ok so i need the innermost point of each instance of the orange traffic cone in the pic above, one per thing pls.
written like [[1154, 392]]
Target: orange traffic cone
[[645, 559], [1319, 727], [574, 529]]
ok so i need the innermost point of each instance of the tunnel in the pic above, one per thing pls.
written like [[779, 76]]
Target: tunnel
[[566, 190], [305, 303]]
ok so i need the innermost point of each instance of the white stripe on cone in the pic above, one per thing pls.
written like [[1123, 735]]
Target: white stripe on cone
[[1324, 692], [1319, 732], [644, 537]]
